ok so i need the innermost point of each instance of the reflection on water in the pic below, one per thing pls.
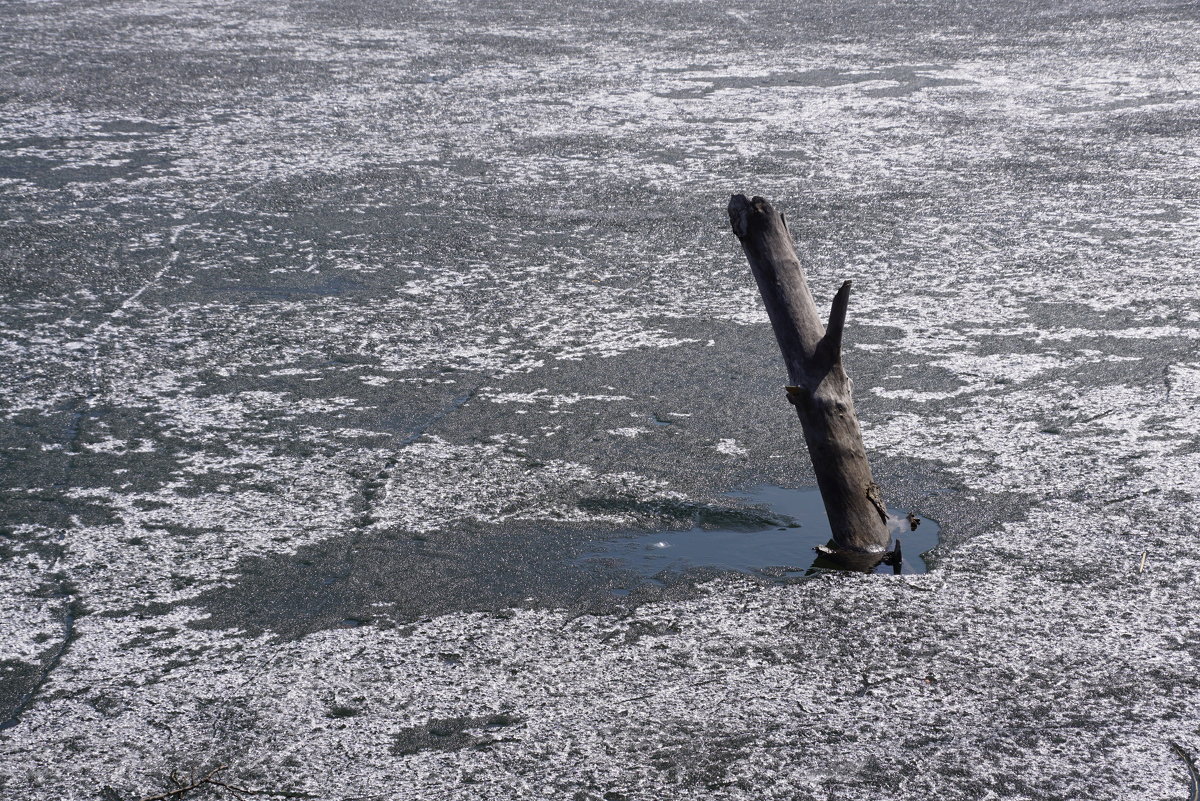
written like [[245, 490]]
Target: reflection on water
[[775, 541]]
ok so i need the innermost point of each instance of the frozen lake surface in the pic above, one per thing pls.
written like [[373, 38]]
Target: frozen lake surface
[[334, 334]]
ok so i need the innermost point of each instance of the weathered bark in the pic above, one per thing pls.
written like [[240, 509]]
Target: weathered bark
[[820, 388]]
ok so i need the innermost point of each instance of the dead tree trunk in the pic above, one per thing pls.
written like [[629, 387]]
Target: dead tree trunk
[[820, 388]]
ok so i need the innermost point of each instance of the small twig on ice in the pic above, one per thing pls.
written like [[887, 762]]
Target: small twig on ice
[[233, 788], [636, 698], [656, 692], [1193, 775], [277, 793], [187, 788], [915, 586]]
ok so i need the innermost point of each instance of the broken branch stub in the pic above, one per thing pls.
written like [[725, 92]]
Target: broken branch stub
[[820, 389]]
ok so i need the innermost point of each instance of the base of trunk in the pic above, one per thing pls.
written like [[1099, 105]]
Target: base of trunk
[[835, 558]]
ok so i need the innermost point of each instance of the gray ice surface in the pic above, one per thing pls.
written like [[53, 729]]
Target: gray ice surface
[[333, 332]]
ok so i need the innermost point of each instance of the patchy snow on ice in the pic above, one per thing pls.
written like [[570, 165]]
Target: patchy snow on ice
[[283, 285]]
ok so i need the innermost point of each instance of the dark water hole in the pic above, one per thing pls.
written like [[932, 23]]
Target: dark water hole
[[390, 576], [772, 535]]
